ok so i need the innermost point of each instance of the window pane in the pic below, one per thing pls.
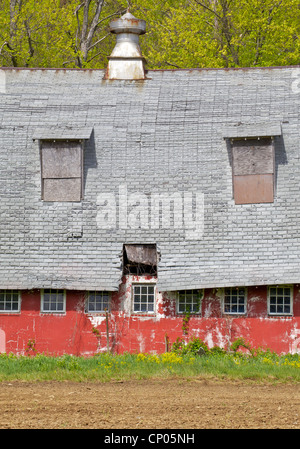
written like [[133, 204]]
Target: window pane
[[151, 307], [143, 298], [195, 308], [280, 300], [7, 306], [234, 300], [91, 306], [189, 301], [53, 300], [9, 301], [97, 301], [287, 309], [272, 309]]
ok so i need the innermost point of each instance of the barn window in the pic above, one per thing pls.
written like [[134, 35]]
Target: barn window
[[140, 259], [253, 170], [97, 301], [10, 301], [143, 298], [62, 170], [189, 301], [234, 300], [53, 300], [280, 300]]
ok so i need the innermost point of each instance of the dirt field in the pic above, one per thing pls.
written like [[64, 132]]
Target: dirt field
[[170, 404]]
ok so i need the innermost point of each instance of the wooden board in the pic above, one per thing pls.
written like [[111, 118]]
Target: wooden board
[[252, 157], [250, 189], [62, 189], [61, 160]]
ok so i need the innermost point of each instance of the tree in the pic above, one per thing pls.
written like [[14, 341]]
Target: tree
[[31, 32], [64, 33], [180, 33], [90, 25], [221, 33]]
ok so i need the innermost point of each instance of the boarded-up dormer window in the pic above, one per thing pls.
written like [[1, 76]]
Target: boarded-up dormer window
[[62, 166], [253, 170], [140, 259]]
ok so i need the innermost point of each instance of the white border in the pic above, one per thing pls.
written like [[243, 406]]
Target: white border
[[19, 302], [246, 302], [291, 287], [143, 282], [53, 311]]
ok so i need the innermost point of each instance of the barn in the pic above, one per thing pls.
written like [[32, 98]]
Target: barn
[[141, 206]]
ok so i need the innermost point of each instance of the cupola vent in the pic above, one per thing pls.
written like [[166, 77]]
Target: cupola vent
[[126, 61]]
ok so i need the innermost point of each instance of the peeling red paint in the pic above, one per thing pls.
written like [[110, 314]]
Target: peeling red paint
[[79, 333]]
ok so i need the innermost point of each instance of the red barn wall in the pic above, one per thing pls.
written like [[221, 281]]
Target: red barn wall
[[76, 332]]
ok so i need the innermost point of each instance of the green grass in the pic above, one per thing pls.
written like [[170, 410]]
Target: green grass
[[264, 366]]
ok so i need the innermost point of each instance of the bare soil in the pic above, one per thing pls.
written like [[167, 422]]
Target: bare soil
[[154, 404]]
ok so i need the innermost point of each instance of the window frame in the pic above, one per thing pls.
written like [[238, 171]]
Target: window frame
[[63, 311], [143, 312], [100, 311], [12, 291], [231, 304], [259, 176], [283, 286], [57, 142], [200, 293]]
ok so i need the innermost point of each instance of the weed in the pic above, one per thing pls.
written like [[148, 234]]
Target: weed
[[182, 361], [30, 349]]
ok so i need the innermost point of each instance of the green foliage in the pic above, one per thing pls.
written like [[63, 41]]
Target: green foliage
[[50, 33], [185, 323], [180, 33], [223, 33], [35, 34], [192, 347], [264, 365], [240, 343]]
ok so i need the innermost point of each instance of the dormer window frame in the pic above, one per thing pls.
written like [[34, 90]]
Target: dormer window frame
[[253, 184], [257, 182], [45, 144], [63, 135]]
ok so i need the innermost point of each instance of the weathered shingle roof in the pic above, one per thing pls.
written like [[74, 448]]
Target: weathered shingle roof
[[256, 129], [164, 135], [63, 133]]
